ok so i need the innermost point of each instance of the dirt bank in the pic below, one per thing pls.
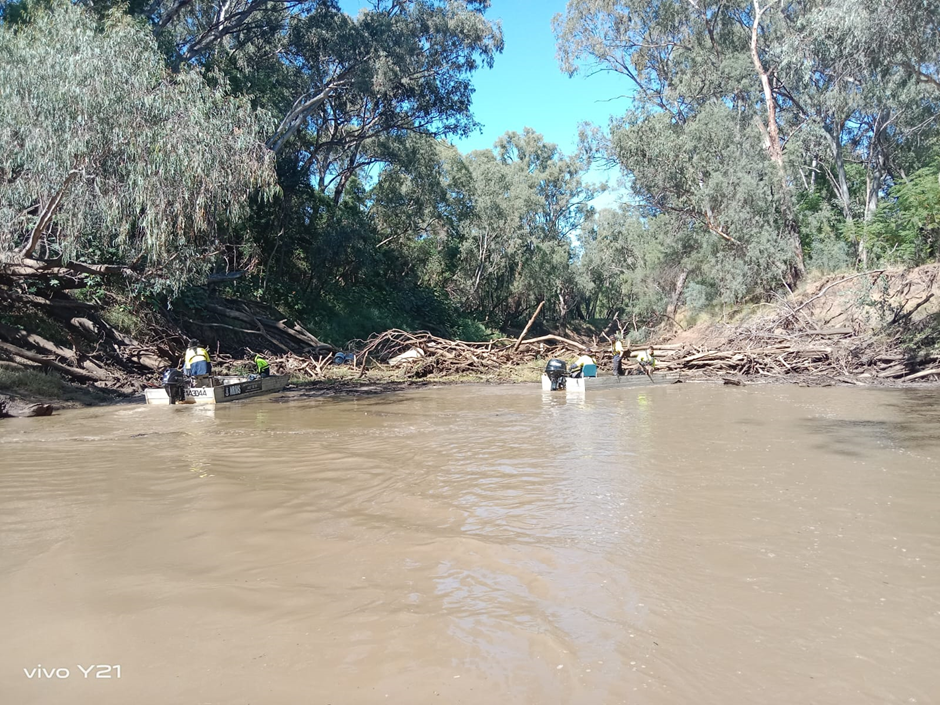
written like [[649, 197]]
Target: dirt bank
[[872, 328], [879, 327]]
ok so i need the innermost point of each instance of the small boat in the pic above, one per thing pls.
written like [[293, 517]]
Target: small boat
[[578, 385], [556, 378], [217, 389]]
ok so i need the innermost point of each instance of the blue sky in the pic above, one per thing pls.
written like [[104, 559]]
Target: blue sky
[[526, 88]]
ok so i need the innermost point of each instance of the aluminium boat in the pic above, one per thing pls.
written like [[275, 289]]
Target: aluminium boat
[[216, 389]]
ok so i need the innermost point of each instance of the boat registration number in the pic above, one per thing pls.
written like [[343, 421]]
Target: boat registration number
[[243, 388]]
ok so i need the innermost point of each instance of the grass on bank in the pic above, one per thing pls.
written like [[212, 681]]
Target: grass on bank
[[37, 386]]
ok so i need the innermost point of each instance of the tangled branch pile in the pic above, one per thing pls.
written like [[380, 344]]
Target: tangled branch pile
[[424, 354], [844, 329], [77, 342], [849, 329]]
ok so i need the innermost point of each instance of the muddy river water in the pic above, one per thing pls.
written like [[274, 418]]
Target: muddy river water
[[478, 544]]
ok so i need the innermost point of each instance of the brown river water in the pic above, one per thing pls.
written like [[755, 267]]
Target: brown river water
[[477, 544]]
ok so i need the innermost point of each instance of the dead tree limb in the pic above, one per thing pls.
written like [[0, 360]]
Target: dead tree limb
[[528, 325], [33, 357]]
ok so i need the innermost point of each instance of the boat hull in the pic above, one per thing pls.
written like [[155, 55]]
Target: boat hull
[[578, 385], [219, 390]]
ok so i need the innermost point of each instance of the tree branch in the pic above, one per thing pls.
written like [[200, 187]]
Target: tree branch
[[46, 215]]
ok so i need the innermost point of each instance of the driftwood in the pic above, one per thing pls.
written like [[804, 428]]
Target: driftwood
[[528, 325], [10, 407], [918, 375], [297, 333], [33, 410], [49, 362]]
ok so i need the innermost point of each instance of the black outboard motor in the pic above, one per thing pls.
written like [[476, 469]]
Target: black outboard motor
[[557, 372], [174, 383]]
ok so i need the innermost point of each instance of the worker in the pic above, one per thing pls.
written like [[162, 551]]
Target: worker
[[264, 369], [196, 362], [647, 360], [577, 367], [618, 355]]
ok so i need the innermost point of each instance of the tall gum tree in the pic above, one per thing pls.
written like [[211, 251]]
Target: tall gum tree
[[340, 84], [105, 153], [683, 55]]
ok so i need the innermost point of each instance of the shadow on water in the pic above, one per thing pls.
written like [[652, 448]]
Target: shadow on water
[[913, 427]]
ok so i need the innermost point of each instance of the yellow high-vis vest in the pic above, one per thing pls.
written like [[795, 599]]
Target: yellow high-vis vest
[[196, 354]]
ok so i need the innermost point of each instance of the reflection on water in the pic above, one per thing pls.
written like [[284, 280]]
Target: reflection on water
[[657, 544]]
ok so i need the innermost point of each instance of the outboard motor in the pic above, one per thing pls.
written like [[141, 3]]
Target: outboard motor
[[557, 372], [174, 383]]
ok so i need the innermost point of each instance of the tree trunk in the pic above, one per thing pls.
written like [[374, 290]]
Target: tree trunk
[[563, 312], [33, 357], [528, 325], [838, 181], [677, 294], [796, 268]]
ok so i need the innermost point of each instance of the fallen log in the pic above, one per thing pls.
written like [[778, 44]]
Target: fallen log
[[33, 357], [566, 341], [894, 371], [826, 333], [10, 408], [303, 337], [918, 375], [15, 335], [52, 303], [298, 333]]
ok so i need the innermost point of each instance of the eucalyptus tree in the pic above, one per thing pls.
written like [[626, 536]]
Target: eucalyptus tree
[[339, 84], [634, 268], [193, 30], [691, 62], [423, 196], [105, 154], [847, 77], [846, 90], [398, 69], [528, 200]]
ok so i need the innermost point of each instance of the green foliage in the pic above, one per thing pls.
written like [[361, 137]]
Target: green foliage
[[107, 152], [124, 318], [710, 178], [344, 315], [301, 150], [906, 228], [921, 340], [345, 89], [513, 249], [766, 135]]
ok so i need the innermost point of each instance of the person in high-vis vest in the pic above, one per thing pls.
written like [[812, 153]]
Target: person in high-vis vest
[[647, 361], [577, 367], [264, 369], [618, 355], [196, 362]]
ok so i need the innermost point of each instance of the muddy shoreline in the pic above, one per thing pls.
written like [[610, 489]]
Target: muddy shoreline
[[17, 404], [870, 329]]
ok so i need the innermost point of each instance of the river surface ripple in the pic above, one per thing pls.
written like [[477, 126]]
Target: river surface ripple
[[478, 544]]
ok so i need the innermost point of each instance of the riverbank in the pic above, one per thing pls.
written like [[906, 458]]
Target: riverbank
[[879, 328]]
